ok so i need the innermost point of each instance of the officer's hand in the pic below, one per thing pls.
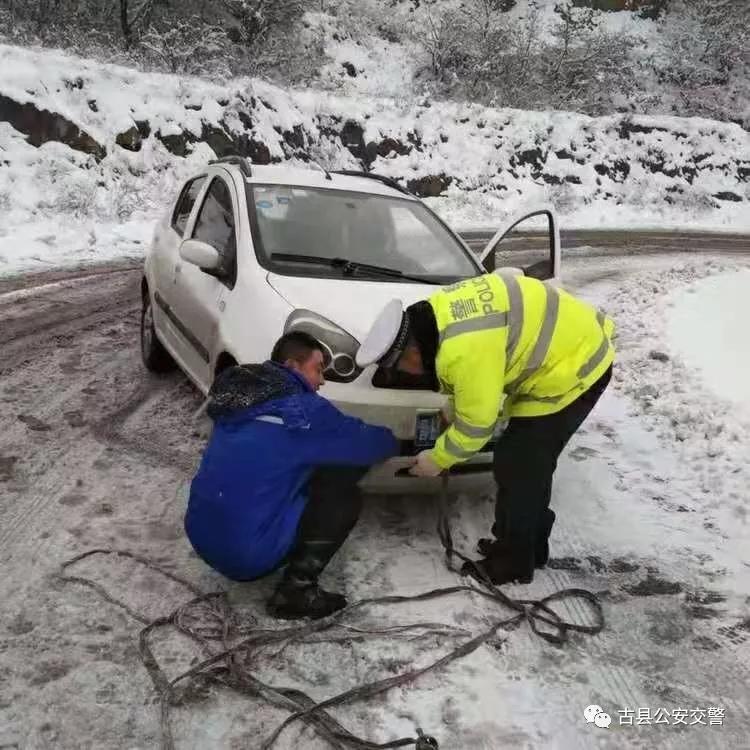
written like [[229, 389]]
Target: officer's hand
[[425, 466]]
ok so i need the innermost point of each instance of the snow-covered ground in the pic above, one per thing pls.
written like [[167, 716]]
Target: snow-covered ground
[[66, 206], [652, 502], [706, 325]]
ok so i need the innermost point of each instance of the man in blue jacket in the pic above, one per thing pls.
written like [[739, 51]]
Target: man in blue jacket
[[278, 481]]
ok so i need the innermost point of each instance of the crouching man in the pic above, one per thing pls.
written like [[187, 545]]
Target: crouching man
[[277, 485]]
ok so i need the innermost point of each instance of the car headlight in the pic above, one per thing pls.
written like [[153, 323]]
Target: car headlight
[[340, 347]]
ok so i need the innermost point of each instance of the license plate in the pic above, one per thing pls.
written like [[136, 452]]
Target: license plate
[[427, 430]]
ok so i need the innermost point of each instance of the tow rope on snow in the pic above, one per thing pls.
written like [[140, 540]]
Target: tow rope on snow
[[529, 609], [209, 620]]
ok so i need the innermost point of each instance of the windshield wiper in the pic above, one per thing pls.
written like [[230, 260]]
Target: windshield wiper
[[350, 267]]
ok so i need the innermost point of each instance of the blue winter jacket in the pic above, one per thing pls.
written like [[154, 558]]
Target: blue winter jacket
[[270, 431]]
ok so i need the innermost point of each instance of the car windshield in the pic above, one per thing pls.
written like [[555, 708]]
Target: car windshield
[[397, 234]]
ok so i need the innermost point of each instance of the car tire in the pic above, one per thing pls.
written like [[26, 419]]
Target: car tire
[[155, 356]]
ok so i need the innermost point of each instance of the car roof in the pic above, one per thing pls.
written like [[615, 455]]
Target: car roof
[[315, 177]]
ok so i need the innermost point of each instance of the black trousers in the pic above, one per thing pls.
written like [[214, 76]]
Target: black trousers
[[524, 461], [334, 502], [333, 505]]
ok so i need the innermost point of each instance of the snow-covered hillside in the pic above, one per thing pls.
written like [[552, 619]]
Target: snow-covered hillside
[[90, 154]]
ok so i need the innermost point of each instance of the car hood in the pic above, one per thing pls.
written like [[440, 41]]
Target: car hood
[[352, 304]]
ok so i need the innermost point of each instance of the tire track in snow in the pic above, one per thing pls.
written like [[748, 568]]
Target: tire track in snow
[[61, 460], [45, 463], [34, 322], [77, 309]]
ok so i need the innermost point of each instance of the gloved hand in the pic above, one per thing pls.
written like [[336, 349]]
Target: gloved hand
[[425, 466]]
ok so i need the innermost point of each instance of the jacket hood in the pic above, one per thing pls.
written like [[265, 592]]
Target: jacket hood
[[253, 389]]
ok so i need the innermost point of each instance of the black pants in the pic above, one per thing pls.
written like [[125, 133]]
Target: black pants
[[525, 460], [333, 506]]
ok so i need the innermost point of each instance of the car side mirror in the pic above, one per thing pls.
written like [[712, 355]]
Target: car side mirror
[[200, 254]]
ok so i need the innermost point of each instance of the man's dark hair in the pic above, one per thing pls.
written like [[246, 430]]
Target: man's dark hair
[[296, 345]]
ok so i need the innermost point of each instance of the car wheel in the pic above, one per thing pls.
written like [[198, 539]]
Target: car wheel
[[155, 356]]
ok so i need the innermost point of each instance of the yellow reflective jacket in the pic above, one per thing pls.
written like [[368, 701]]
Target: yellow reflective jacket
[[512, 347]]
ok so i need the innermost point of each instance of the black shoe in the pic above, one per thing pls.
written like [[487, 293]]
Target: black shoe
[[496, 571], [541, 552], [500, 566], [292, 601], [298, 595], [541, 549], [484, 546]]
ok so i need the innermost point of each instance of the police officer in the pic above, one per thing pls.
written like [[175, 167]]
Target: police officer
[[509, 347]]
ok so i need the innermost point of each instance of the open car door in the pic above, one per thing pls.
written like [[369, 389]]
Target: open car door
[[533, 250]]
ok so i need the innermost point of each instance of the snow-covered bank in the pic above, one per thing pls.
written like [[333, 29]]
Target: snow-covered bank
[[706, 327], [683, 361], [131, 137]]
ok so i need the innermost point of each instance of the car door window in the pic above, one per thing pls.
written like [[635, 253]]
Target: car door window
[[215, 225], [185, 204]]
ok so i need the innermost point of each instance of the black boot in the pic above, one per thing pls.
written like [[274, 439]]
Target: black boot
[[486, 545], [296, 600], [503, 564], [541, 553], [541, 550], [298, 595]]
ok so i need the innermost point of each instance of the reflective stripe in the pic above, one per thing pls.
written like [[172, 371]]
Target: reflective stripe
[[455, 451], [492, 320], [539, 352], [598, 356], [269, 418], [596, 359], [543, 341], [515, 310], [473, 432]]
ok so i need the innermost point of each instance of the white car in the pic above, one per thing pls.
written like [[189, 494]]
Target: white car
[[248, 252]]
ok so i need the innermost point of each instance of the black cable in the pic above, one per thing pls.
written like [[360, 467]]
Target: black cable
[[231, 666]]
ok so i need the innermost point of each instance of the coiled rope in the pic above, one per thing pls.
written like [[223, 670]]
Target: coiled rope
[[231, 645]]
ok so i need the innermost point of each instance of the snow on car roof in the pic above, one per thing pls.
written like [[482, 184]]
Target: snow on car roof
[[313, 177]]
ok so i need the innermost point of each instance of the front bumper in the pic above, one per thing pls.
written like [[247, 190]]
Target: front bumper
[[390, 477], [395, 409], [398, 409]]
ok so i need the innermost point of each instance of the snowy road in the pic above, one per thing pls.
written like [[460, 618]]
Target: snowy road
[[652, 497]]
